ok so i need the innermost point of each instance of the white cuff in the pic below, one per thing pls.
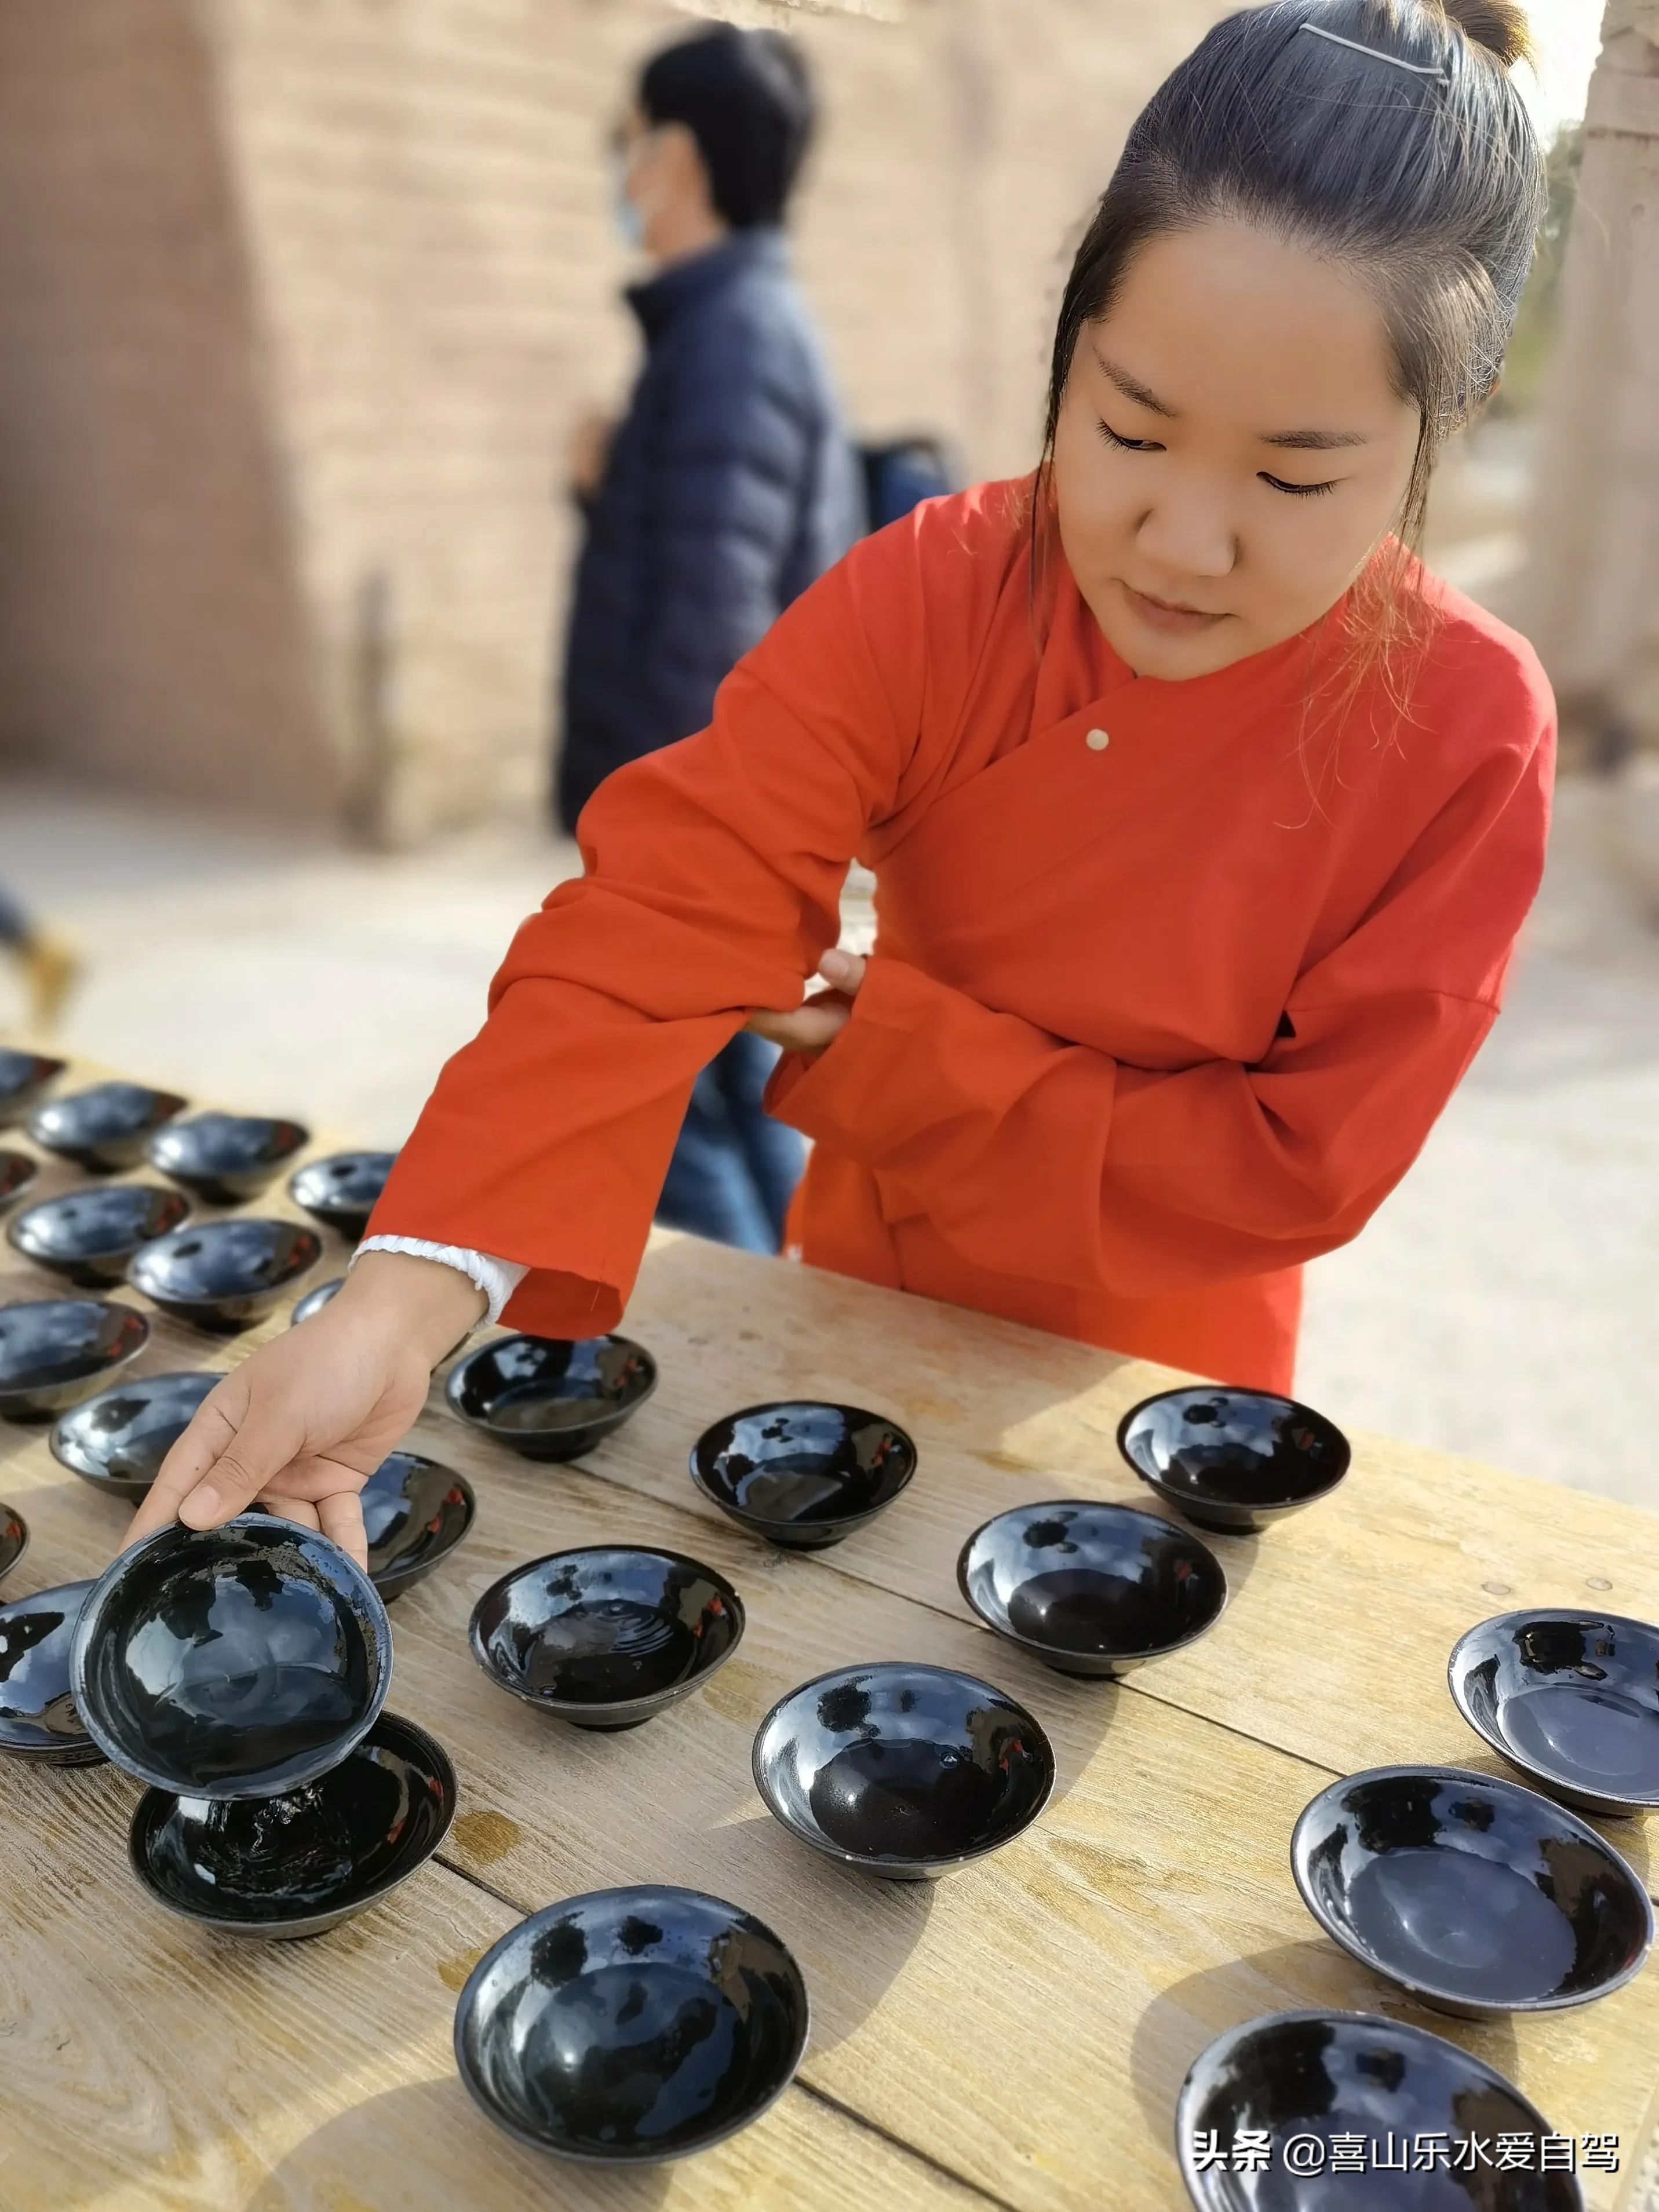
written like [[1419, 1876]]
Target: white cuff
[[496, 1278]]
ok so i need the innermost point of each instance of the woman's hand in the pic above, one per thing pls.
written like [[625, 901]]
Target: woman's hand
[[819, 1021], [304, 1420]]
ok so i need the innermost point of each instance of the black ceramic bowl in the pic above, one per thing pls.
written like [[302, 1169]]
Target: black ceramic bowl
[[226, 1158], [900, 1770], [416, 1511], [238, 1662], [91, 1235], [13, 1539], [225, 1275], [295, 1864], [55, 1351], [1571, 1700], [38, 1719], [1233, 1460], [608, 1635], [631, 2025], [1320, 2075], [800, 1474], [1090, 1589], [106, 1128], [314, 1301], [118, 1440], [17, 1171], [342, 1191], [548, 1399], [1477, 1896], [23, 1077]]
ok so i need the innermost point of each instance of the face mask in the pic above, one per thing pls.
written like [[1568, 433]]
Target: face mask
[[623, 212]]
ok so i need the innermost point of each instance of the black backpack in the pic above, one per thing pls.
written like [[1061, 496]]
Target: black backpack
[[900, 475]]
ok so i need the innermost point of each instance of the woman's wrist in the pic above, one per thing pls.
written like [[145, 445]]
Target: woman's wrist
[[425, 1303]]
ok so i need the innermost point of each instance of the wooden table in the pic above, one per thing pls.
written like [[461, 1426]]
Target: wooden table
[[1014, 2035]]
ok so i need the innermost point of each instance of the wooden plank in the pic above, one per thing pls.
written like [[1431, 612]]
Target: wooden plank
[[1025, 2024], [1336, 1643], [150, 2068]]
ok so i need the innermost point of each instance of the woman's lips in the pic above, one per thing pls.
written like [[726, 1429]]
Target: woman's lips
[[1159, 614]]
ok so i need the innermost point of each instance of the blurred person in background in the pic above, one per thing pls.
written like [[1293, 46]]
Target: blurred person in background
[[48, 969], [727, 487]]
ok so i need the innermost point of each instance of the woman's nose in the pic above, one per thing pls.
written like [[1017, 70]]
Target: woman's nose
[[1188, 534]]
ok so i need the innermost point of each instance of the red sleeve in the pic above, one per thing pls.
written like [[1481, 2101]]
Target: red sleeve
[[1034, 1157], [712, 885]]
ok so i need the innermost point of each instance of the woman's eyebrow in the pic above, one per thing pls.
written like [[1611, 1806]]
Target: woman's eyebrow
[[1317, 441], [1132, 387], [1306, 442]]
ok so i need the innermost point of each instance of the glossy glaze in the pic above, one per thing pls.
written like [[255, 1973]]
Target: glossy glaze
[[314, 1301], [55, 1351], [226, 1158], [1089, 1589], [225, 1275], [1476, 1895], [416, 1511], [607, 1635], [902, 1770], [13, 1539], [23, 1077], [1233, 1460], [631, 2025], [38, 1718], [295, 1864], [118, 1440], [17, 1171], [1325, 2074], [89, 1236], [105, 1128], [1571, 1698], [238, 1662], [549, 1400], [342, 1191], [801, 1473]]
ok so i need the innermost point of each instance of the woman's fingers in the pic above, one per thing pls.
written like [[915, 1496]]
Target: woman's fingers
[[809, 1028], [844, 969], [191, 1456], [291, 1509]]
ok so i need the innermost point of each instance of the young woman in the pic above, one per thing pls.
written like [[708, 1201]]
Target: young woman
[[1204, 819]]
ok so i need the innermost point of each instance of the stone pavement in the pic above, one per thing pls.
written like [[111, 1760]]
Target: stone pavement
[[1505, 1302]]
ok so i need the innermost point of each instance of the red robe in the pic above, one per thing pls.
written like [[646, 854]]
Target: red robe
[[1148, 1023]]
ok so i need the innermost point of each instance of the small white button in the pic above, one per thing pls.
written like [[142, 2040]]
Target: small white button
[[1097, 741]]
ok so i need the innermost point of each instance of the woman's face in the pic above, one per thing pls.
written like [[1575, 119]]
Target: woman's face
[[1230, 449]]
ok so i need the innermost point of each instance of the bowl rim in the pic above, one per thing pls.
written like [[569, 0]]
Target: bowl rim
[[47, 1066], [612, 1417], [11, 1514], [177, 1123], [1096, 1505], [847, 1522], [121, 1360], [881, 1861], [180, 1302], [1524, 1762], [394, 1580], [212, 1376], [30, 1162], [327, 1160], [1165, 1489], [466, 2007], [568, 1708], [155, 1799], [24, 1214], [1220, 2049], [373, 1607], [1419, 1985], [155, 1092]]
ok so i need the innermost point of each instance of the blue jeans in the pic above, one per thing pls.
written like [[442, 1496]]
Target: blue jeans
[[734, 1168]]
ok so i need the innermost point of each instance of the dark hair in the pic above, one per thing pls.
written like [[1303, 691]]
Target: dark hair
[[746, 98], [1427, 183]]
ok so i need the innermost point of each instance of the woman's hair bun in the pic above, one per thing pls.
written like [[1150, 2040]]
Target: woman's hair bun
[[1499, 25]]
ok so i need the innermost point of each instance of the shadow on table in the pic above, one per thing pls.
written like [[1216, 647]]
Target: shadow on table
[[1290, 1978], [428, 2145]]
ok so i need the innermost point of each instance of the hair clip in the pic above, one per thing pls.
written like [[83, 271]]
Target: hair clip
[[1417, 68]]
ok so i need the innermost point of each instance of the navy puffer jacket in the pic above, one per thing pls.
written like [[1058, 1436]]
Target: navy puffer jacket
[[730, 486]]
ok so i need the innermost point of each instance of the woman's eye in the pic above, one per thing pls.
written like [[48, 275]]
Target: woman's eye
[[1298, 491], [1128, 445]]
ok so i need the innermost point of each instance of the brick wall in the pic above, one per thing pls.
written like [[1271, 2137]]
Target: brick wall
[[417, 191]]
